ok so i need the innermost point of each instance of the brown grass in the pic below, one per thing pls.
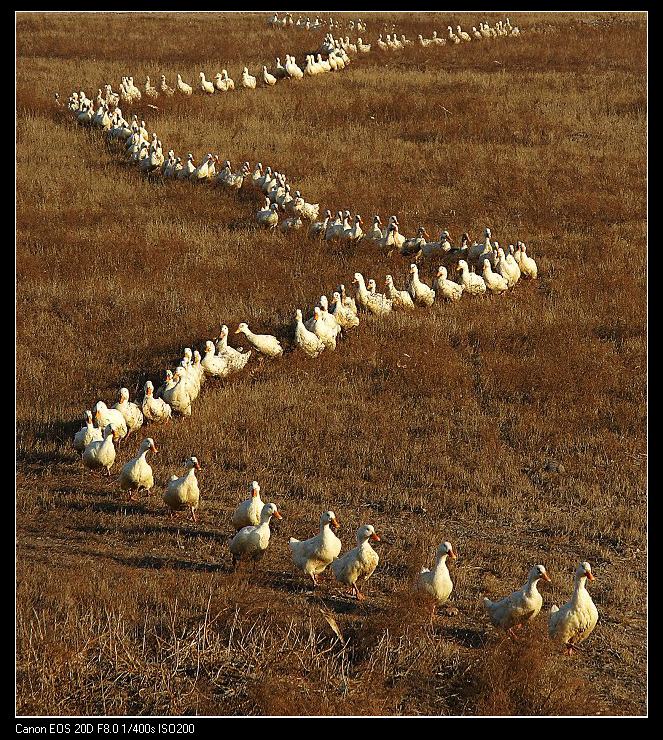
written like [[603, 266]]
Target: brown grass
[[123, 611]]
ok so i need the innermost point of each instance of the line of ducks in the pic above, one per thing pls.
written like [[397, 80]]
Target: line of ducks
[[569, 625], [305, 23]]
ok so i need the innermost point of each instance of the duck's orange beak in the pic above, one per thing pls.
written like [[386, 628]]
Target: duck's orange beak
[[546, 577], [374, 537], [335, 523], [590, 575], [277, 515]]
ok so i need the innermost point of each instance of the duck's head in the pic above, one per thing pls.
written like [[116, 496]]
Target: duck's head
[[269, 511], [298, 314], [413, 269], [366, 532], [192, 462], [442, 272], [243, 327], [209, 346], [446, 548], [389, 280], [124, 394], [584, 570], [254, 488], [149, 388], [328, 517], [539, 571]]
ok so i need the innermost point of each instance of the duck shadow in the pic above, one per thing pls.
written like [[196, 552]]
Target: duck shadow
[[469, 638]]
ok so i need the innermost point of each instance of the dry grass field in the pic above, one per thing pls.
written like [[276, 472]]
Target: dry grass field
[[431, 427]]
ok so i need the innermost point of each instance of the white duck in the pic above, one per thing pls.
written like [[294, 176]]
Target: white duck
[[437, 582], [87, 433], [155, 409], [248, 81], [446, 288], [248, 512], [519, 607], [307, 340], [268, 216], [137, 473], [268, 78], [251, 542], [400, 298], [360, 563], [131, 412], [420, 292], [104, 416], [236, 359], [377, 304], [574, 622], [215, 365], [321, 329], [494, 281], [508, 267], [101, 453], [344, 316], [178, 396], [183, 87], [528, 267], [312, 556], [265, 344], [183, 493], [472, 284], [206, 85]]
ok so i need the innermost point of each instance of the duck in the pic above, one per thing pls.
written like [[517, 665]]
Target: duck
[[155, 409], [322, 330], [178, 396], [290, 224], [494, 281], [437, 582], [248, 81], [328, 317], [528, 267], [308, 211], [268, 79], [183, 493], [377, 304], [104, 416], [268, 216], [87, 433], [400, 298], [236, 358], [312, 556], [265, 344], [574, 621], [187, 169], [360, 563], [206, 85], [251, 542], [343, 315], [416, 243], [165, 89], [222, 82], [101, 453], [167, 385], [248, 512], [419, 291], [215, 365], [375, 233], [306, 340], [137, 473], [429, 249], [472, 284], [346, 300], [519, 607], [319, 228], [131, 412], [445, 288], [508, 267], [183, 87]]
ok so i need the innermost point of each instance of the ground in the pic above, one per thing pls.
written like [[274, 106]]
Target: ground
[[437, 426]]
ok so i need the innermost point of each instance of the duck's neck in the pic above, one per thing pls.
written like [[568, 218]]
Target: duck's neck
[[579, 590], [530, 587], [441, 566]]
